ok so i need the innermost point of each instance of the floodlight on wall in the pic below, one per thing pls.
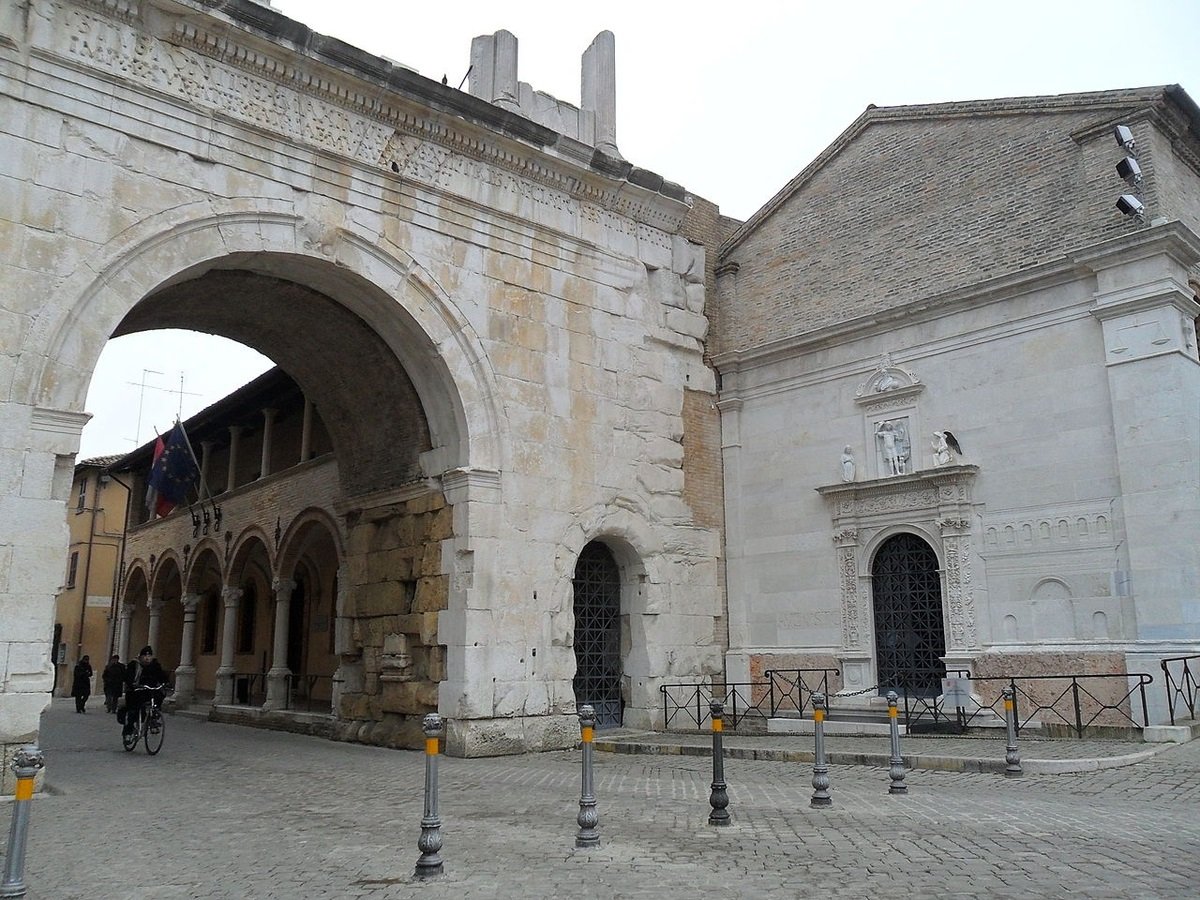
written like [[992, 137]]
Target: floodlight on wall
[[1129, 170], [1132, 206]]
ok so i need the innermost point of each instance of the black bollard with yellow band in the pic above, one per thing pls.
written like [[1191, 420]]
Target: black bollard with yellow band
[[25, 765], [430, 842], [896, 761], [820, 779], [719, 798], [588, 836], [1012, 757]]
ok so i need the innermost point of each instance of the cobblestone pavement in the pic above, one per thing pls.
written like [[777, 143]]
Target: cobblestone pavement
[[229, 812]]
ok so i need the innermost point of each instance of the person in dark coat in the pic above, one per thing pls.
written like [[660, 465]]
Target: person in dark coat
[[81, 686], [114, 682], [144, 672]]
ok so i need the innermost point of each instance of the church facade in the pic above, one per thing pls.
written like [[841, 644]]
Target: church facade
[[553, 430], [959, 394]]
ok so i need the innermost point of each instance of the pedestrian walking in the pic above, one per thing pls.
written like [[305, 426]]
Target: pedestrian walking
[[81, 686], [114, 683]]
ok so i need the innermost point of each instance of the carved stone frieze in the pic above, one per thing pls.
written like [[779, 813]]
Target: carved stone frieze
[[211, 70], [851, 625], [960, 599]]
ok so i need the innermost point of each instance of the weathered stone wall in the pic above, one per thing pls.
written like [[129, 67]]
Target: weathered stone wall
[[393, 244], [1052, 701], [391, 659]]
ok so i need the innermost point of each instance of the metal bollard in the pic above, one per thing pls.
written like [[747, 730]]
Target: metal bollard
[[430, 842], [820, 779], [588, 836], [1012, 758], [719, 798], [26, 762], [896, 770]]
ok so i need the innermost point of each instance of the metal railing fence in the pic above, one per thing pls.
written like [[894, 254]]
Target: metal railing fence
[[785, 692], [309, 693], [1184, 689]]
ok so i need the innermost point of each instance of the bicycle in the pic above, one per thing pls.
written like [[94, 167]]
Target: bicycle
[[151, 724]]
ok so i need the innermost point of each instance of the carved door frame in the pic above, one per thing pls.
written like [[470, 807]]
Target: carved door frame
[[933, 504]]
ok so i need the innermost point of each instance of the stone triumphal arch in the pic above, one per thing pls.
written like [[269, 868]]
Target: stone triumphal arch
[[495, 314]]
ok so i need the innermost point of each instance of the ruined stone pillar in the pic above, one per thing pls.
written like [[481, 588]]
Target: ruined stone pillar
[[232, 598], [599, 95], [185, 675], [279, 674], [494, 69]]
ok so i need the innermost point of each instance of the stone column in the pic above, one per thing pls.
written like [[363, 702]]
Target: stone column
[[205, 459], [126, 620], [600, 90], [264, 466], [155, 605], [235, 437], [346, 677], [185, 675], [306, 431], [232, 598], [279, 675]]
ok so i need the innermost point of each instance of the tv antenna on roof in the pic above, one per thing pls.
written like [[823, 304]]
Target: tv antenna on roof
[[143, 387]]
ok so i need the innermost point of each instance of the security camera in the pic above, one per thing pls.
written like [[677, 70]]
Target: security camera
[[1129, 169], [1130, 205], [1123, 136]]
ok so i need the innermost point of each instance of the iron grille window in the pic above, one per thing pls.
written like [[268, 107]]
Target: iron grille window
[[597, 587], [910, 636]]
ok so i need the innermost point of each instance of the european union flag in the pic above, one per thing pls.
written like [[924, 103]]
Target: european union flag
[[175, 472]]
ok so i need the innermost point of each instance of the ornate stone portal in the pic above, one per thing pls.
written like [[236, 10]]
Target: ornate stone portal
[[934, 504]]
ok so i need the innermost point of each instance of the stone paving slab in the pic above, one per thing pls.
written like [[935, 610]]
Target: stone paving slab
[[933, 752], [226, 813]]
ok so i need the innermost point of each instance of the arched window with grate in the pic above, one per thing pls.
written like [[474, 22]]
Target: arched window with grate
[[597, 591]]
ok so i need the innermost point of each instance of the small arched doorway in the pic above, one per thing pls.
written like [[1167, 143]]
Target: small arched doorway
[[910, 634], [597, 592]]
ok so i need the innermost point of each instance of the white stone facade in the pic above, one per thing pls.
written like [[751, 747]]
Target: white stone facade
[[545, 311]]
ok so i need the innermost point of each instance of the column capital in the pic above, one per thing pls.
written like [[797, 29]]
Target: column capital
[[154, 604], [283, 588], [190, 602], [232, 596]]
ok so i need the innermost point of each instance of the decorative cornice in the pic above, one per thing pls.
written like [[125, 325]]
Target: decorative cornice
[[266, 45]]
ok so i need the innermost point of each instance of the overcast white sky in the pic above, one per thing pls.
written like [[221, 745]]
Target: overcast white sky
[[730, 100]]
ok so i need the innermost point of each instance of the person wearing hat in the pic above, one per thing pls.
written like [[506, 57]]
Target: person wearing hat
[[145, 671]]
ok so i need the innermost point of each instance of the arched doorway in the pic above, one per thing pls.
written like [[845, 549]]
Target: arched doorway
[[910, 635], [597, 601]]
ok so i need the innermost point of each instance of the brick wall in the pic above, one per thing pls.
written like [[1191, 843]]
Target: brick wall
[[920, 202]]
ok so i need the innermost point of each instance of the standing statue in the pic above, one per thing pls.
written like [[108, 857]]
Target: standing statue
[[893, 448], [847, 464]]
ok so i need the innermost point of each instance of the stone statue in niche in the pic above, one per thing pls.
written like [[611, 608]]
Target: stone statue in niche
[[892, 437], [847, 464]]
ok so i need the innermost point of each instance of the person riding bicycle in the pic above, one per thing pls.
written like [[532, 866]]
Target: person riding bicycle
[[143, 672]]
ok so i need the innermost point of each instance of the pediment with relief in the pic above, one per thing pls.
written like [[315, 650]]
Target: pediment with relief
[[887, 384]]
